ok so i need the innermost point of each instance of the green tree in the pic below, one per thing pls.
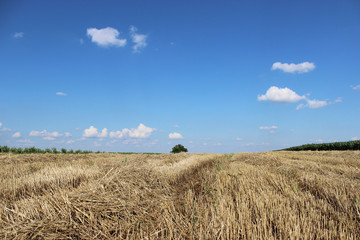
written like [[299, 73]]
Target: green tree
[[178, 148], [63, 150]]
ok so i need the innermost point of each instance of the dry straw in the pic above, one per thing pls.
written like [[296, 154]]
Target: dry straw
[[272, 195]]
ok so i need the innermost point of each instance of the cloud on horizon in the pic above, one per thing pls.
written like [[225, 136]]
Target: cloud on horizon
[[175, 135], [50, 136], [141, 131]]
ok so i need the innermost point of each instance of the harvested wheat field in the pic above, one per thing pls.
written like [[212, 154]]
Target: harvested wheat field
[[270, 195]]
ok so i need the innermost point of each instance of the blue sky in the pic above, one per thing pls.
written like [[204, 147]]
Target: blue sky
[[215, 76]]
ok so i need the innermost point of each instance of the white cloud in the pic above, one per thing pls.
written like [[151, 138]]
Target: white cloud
[[45, 134], [317, 103], [354, 139], [175, 135], [117, 134], [357, 87], [61, 94], [106, 37], [67, 134], [138, 39], [16, 135], [176, 126], [0, 124], [18, 35], [103, 133], [70, 142], [275, 94], [239, 139], [141, 131], [314, 104], [93, 132], [286, 95], [268, 128], [294, 68]]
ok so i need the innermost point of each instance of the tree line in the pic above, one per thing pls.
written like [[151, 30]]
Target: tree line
[[338, 146], [19, 150]]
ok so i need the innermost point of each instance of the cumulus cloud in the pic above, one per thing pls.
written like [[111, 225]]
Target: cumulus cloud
[[93, 132], [357, 87], [45, 134], [18, 35], [175, 135], [239, 139], [103, 133], [106, 37], [294, 68], [61, 94], [285, 95], [141, 131], [138, 39], [16, 135], [70, 142], [117, 134], [268, 128], [67, 134], [0, 124], [354, 139]]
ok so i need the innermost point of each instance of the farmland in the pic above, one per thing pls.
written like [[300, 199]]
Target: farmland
[[269, 195]]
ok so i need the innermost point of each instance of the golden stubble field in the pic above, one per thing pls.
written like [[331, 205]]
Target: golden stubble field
[[270, 195]]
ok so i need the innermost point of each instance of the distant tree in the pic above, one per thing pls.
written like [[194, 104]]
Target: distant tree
[[71, 151], [63, 150], [4, 149], [178, 148], [54, 150]]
